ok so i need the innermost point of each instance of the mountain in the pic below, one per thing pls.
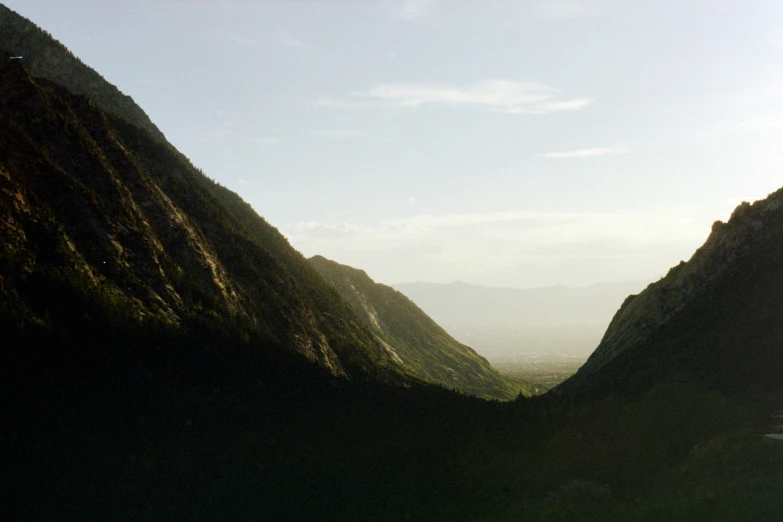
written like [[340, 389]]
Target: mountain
[[167, 356], [503, 323], [97, 208], [47, 58], [417, 341], [716, 319]]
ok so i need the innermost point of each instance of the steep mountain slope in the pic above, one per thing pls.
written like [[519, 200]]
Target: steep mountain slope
[[717, 318], [97, 205], [143, 312], [47, 58], [504, 323], [416, 340]]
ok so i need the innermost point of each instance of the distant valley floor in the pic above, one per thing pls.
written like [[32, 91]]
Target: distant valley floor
[[544, 372]]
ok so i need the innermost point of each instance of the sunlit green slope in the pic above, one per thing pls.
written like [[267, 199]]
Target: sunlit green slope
[[416, 341]]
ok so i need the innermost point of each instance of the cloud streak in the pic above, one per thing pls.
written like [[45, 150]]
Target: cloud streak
[[589, 153], [494, 95], [286, 39], [516, 245], [532, 248], [264, 141], [282, 38], [411, 9], [558, 9], [521, 227], [336, 133]]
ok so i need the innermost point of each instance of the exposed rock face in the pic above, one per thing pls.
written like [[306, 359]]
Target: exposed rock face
[[411, 338], [640, 315], [96, 202], [47, 58], [91, 178]]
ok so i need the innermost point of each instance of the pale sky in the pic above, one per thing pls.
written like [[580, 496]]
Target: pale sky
[[505, 143]]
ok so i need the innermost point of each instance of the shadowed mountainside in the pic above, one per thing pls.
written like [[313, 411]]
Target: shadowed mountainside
[[99, 206], [156, 334], [717, 318], [47, 58], [417, 341]]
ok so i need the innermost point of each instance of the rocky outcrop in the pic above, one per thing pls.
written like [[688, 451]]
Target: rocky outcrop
[[639, 316], [97, 203]]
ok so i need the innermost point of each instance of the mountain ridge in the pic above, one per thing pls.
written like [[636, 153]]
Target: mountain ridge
[[135, 222], [47, 58], [417, 341], [147, 315], [709, 289]]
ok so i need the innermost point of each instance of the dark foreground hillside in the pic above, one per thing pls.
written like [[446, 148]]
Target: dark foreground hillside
[[122, 404], [146, 426], [167, 356]]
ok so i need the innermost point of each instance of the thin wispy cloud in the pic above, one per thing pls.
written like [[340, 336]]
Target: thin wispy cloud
[[775, 39], [265, 141], [214, 133], [537, 227], [317, 230], [282, 37], [332, 103], [558, 9], [241, 40], [518, 241], [494, 95], [589, 153], [427, 222], [226, 131], [336, 133], [286, 39], [411, 9]]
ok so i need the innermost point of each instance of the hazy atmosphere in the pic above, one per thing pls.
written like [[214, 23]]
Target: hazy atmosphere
[[391, 260], [498, 143]]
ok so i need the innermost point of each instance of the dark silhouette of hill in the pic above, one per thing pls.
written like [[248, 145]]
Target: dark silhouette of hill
[[503, 323], [47, 58], [418, 342], [715, 319], [167, 356], [95, 205]]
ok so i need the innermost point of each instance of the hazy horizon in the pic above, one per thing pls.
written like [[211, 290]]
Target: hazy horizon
[[504, 324], [508, 287], [514, 144]]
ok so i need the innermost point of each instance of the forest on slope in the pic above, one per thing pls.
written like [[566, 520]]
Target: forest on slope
[[134, 390], [420, 344]]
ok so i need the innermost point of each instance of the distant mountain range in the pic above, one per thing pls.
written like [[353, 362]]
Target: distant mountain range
[[509, 323], [98, 202], [167, 355]]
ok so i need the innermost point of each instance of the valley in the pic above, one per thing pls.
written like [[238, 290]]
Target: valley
[[168, 354], [543, 372]]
